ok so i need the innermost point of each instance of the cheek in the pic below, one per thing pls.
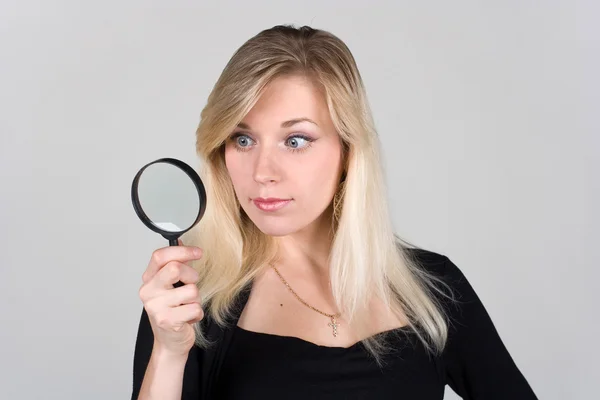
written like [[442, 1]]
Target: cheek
[[319, 177], [229, 155], [232, 162]]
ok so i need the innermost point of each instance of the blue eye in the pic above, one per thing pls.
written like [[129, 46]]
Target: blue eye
[[234, 138], [237, 142], [301, 137]]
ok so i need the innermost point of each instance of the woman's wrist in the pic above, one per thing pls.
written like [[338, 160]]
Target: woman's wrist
[[164, 375], [165, 355]]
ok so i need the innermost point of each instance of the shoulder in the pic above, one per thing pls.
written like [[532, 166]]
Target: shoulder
[[428, 258], [452, 288], [476, 361], [434, 263]]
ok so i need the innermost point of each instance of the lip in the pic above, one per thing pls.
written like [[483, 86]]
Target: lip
[[270, 203], [269, 199]]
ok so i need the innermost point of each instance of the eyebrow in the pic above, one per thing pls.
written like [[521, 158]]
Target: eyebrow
[[285, 124]]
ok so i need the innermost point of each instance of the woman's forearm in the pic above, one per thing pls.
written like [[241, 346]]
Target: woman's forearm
[[164, 376]]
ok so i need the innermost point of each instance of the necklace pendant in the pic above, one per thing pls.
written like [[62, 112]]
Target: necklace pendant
[[334, 325]]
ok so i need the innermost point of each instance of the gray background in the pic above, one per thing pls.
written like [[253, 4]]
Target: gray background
[[488, 114]]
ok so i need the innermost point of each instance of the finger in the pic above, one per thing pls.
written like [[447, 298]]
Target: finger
[[166, 278], [175, 318], [173, 272], [186, 314], [162, 256], [185, 294]]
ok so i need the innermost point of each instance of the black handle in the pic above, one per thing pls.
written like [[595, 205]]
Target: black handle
[[174, 242]]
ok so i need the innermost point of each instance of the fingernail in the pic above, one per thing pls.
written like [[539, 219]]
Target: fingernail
[[198, 251]]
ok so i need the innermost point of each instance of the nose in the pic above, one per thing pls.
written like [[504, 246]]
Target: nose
[[265, 166]]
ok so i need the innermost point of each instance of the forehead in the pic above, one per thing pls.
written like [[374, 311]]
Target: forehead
[[289, 97]]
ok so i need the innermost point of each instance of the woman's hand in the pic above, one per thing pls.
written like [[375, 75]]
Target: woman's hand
[[172, 311]]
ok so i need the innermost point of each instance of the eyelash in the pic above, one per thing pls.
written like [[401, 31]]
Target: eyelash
[[309, 140]]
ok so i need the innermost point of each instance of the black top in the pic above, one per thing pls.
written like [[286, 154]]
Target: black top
[[259, 365], [249, 365]]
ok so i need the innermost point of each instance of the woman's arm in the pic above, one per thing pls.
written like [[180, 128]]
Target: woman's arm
[[478, 365], [163, 378], [158, 375]]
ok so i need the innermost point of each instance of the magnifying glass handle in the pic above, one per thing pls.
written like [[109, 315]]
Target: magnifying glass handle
[[173, 242]]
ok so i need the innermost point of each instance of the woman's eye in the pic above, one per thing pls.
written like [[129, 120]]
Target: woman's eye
[[296, 141], [240, 141]]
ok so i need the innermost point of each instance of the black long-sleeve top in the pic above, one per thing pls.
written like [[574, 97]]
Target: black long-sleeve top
[[250, 365]]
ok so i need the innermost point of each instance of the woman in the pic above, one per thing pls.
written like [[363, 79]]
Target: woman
[[296, 286]]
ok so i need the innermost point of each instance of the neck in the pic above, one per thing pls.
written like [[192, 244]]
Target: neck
[[307, 251]]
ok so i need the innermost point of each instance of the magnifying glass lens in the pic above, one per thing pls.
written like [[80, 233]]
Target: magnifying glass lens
[[168, 197]]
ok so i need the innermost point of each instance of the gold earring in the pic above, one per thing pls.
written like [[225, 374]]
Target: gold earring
[[337, 202]]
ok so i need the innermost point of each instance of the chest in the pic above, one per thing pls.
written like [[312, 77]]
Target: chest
[[306, 313]]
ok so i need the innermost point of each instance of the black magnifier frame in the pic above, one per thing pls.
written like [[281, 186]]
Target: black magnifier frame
[[170, 236]]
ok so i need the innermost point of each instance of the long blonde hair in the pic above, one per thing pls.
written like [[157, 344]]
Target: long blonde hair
[[367, 258]]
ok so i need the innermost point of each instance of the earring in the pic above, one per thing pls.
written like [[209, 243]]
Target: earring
[[337, 202]]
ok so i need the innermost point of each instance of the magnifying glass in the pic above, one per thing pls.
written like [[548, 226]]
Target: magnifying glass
[[169, 197]]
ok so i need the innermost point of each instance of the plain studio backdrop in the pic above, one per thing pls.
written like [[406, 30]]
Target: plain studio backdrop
[[488, 117]]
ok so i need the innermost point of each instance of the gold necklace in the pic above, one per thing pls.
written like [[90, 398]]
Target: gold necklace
[[334, 324]]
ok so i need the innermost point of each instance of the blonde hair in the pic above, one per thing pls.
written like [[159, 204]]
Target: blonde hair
[[367, 258]]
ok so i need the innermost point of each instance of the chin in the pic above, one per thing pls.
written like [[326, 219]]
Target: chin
[[274, 227], [276, 232], [279, 225]]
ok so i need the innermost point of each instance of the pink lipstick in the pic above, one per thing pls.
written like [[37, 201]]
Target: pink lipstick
[[270, 203]]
